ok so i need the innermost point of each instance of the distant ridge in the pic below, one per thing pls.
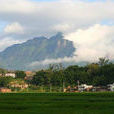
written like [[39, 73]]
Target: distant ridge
[[18, 56]]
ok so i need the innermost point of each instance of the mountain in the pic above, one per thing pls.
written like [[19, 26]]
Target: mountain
[[18, 56]]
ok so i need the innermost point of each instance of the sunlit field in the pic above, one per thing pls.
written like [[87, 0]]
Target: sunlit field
[[57, 103]]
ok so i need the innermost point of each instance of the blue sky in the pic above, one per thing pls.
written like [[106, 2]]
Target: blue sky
[[44, 0], [66, 0], [2, 25], [107, 22]]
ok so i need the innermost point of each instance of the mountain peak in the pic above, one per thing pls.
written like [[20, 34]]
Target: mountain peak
[[41, 37], [59, 35], [37, 49]]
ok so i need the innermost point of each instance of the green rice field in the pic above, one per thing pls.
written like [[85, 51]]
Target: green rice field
[[57, 103]]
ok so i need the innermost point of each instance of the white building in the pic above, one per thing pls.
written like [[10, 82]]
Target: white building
[[111, 87], [84, 87], [10, 75]]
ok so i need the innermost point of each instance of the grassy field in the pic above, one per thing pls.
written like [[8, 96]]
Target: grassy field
[[57, 103]]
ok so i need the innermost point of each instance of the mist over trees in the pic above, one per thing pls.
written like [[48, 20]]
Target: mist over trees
[[97, 74]]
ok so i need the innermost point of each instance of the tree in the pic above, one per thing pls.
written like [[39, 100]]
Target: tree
[[99, 81], [20, 74], [2, 71], [108, 72], [73, 74], [58, 74], [40, 78], [4, 81], [56, 79], [56, 67], [103, 61]]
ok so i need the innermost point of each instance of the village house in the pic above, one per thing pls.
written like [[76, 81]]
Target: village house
[[71, 89], [111, 87], [84, 87], [10, 75], [90, 88], [29, 75], [79, 88], [18, 84], [100, 89], [5, 90]]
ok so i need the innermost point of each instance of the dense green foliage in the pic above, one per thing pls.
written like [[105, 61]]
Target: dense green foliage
[[2, 71], [57, 103], [20, 74], [98, 74], [4, 81]]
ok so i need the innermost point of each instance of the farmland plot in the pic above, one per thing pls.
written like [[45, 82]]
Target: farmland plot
[[57, 103]]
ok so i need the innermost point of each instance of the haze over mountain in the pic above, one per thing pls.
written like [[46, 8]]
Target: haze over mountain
[[20, 56]]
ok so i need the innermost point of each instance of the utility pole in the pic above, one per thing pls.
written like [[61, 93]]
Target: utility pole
[[50, 88], [63, 85], [78, 83]]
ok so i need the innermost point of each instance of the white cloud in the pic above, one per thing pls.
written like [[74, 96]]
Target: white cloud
[[14, 28], [91, 43], [94, 42], [7, 42], [16, 6], [46, 18], [52, 61], [62, 27], [41, 17]]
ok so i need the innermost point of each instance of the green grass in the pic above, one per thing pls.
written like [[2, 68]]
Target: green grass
[[57, 103]]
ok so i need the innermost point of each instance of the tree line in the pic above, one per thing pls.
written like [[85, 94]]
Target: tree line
[[97, 74]]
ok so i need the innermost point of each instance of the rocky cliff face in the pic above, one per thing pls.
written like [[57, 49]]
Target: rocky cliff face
[[38, 49]]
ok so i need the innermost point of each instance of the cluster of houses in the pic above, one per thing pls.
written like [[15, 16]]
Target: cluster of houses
[[16, 83], [29, 75], [89, 88], [8, 74], [5, 90]]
